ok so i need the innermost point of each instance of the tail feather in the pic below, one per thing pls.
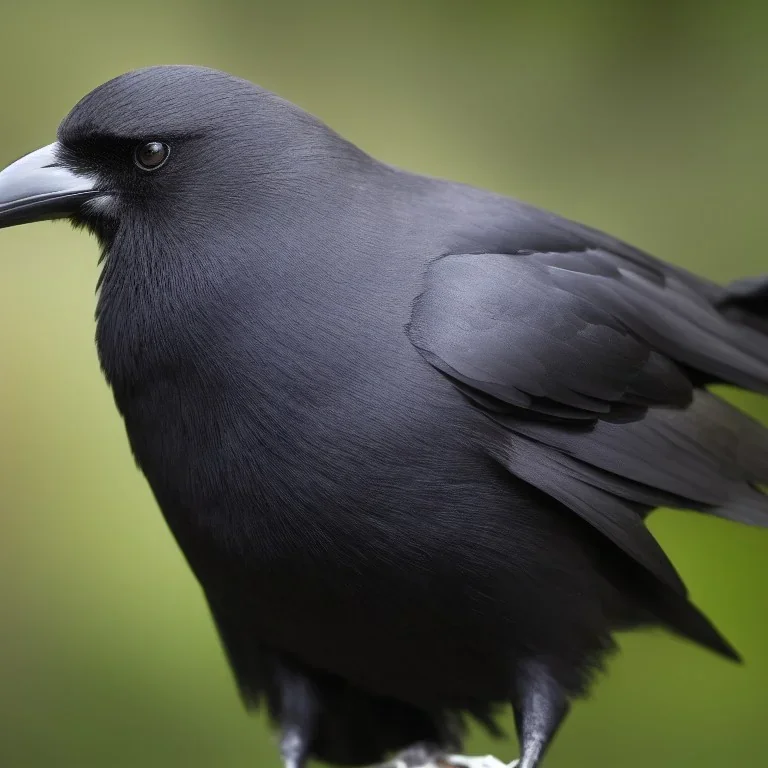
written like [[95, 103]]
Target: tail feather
[[685, 619]]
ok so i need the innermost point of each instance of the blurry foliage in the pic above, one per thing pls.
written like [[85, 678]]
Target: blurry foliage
[[647, 119]]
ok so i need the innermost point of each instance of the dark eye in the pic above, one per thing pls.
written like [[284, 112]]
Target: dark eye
[[152, 155]]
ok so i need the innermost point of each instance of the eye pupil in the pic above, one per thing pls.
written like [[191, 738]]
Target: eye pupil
[[152, 155]]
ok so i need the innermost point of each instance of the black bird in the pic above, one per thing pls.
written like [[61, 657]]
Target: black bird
[[405, 431]]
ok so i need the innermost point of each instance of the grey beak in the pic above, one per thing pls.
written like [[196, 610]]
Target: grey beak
[[39, 187]]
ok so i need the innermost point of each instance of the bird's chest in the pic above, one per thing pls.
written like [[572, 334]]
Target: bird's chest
[[230, 468], [251, 456], [307, 507], [281, 455]]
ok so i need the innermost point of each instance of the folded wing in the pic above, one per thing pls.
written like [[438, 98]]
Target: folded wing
[[592, 361]]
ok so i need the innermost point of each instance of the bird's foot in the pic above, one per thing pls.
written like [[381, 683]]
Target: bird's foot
[[488, 761], [424, 757], [419, 756]]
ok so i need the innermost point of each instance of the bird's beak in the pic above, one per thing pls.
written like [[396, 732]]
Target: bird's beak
[[40, 187]]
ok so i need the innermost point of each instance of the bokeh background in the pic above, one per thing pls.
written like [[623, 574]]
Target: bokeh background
[[648, 119]]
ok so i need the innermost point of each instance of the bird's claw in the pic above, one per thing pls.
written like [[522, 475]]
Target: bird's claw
[[488, 761], [452, 761], [412, 759]]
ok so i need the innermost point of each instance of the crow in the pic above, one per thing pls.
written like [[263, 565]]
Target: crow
[[406, 432]]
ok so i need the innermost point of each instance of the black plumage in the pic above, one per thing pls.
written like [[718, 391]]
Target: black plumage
[[405, 431]]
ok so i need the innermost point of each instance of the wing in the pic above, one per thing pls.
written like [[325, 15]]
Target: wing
[[577, 335], [588, 362]]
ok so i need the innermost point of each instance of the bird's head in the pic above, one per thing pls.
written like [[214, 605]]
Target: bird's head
[[170, 144]]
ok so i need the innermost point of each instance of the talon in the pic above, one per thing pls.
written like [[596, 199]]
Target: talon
[[414, 758], [489, 761]]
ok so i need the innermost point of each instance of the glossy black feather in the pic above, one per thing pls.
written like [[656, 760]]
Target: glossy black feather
[[582, 329]]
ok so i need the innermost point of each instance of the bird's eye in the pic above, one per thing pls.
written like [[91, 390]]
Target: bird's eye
[[152, 155]]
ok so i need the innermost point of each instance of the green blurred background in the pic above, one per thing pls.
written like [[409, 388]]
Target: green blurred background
[[647, 119]]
